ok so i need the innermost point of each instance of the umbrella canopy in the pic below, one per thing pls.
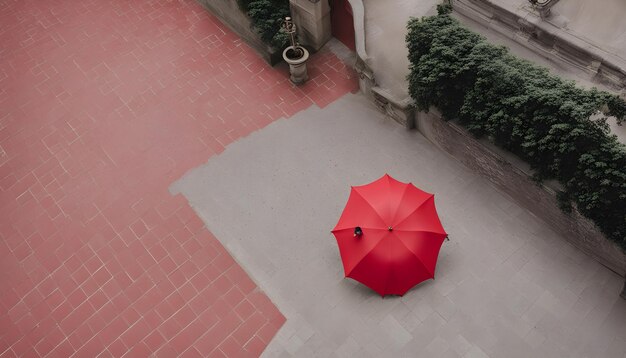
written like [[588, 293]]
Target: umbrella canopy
[[400, 240]]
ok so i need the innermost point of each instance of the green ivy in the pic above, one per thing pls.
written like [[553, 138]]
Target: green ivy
[[524, 109], [267, 17]]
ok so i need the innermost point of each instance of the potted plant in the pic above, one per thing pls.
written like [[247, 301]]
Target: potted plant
[[295, 55]]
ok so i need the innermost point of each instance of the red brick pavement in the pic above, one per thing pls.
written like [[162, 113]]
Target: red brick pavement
[[102, 105]]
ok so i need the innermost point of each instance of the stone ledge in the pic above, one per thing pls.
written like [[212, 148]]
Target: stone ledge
[[401, 111]]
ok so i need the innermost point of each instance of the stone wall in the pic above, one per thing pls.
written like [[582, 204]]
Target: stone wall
[[401, 111], [526, 26], [313, 21], [229, 13], [512, 176]]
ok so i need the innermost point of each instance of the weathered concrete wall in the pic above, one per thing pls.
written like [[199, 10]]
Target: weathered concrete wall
[[313, 21], [512, 176], [229, 13], [363, 65]]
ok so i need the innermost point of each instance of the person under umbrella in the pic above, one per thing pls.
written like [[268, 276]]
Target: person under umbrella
[[404, 236]]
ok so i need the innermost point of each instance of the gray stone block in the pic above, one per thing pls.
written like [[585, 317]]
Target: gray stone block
[[402, 111]]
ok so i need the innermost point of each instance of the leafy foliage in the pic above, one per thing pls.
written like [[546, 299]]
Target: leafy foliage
[[267, 17], [521, 107]]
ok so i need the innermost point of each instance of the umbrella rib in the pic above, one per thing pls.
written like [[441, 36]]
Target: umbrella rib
[[351, 228], [370, 239], [369, 204], [417, 257], [413, 231], [414, 210], [364, 256], [404, 192], [389, 273]]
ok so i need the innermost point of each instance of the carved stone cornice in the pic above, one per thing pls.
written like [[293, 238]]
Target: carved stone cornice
[[526, 26]]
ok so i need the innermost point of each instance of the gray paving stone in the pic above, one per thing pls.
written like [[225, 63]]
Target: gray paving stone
[[349, 348], [460, 345], [475, 352], [436, 347], [449, 354], [395, 331], [504, 281]]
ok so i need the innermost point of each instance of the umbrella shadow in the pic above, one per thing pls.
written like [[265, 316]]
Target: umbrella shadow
[[367, 292], [422, 285], [359, 288]]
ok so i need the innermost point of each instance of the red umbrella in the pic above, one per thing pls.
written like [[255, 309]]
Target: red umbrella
[[400, 236]]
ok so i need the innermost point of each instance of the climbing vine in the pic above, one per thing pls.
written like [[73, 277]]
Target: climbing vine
[[524, 109], [267, 17]]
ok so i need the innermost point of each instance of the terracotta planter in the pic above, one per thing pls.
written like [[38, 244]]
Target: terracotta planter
[[296, 57]]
